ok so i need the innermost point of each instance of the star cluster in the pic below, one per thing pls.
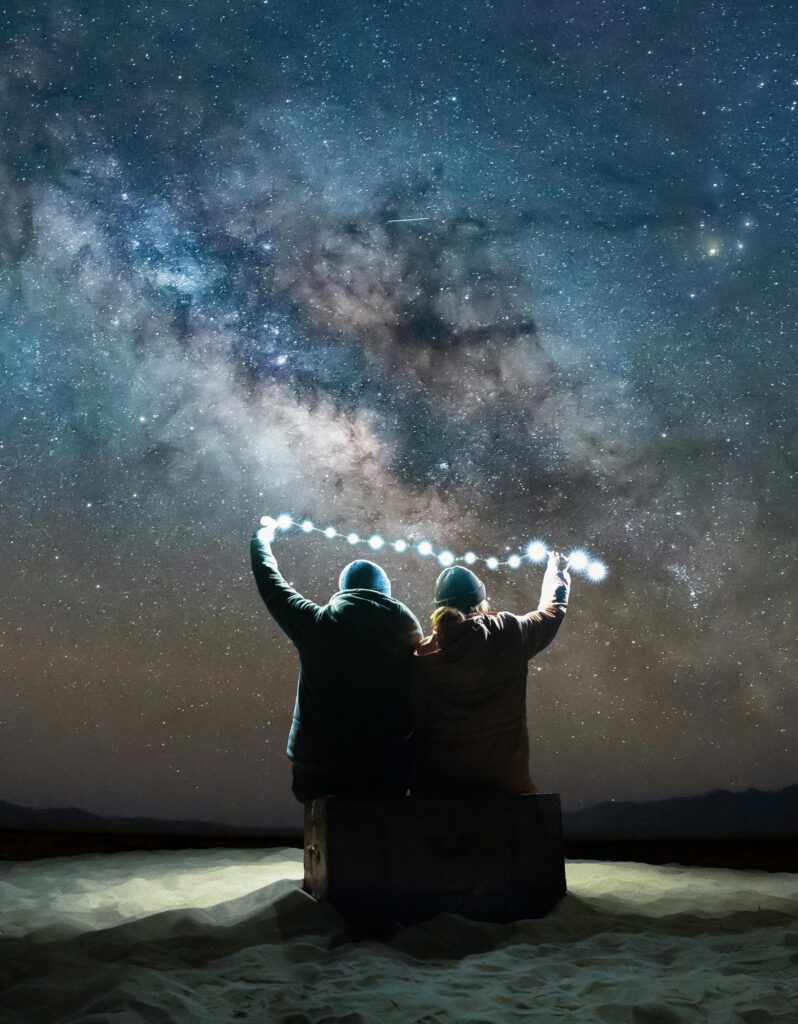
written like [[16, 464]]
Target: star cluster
[[476, 272]]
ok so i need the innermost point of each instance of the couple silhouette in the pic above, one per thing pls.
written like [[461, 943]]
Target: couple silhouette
[[381, 709]]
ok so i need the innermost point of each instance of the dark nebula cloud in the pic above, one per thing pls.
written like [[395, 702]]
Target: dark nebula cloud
[[475, 273]]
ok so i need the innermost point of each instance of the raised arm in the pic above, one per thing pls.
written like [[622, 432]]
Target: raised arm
[[540, 627], [292, 612]]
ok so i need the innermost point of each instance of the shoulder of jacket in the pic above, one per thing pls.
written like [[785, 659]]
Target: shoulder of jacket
[[402, 610], [496, 619], [503, 624]]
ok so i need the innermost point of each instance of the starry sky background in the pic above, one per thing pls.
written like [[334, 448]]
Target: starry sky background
[[206, 314]]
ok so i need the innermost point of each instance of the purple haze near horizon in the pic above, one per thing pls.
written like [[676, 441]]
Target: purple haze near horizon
[[218, 300]]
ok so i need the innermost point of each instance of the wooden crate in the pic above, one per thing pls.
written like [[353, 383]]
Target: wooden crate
[[381, 862]]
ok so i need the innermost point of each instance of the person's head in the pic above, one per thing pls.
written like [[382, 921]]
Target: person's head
[[364, 575], [460, 589]]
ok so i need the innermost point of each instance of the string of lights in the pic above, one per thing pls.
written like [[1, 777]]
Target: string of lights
[[536, 551]]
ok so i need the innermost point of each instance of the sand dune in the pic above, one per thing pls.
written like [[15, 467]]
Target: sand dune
[[225, 935]]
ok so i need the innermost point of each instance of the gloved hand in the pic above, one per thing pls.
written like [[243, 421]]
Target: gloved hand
[[557, 561], [267, 531]]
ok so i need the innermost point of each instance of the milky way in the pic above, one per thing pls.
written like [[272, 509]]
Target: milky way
[[472, 272]]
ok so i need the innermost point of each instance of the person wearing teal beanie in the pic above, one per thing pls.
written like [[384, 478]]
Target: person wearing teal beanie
[[351, 726]]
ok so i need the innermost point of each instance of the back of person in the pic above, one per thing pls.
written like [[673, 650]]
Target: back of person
[[469, 688], [351, 719]]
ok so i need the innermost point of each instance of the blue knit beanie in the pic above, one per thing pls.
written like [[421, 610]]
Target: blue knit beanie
[[364, 575]]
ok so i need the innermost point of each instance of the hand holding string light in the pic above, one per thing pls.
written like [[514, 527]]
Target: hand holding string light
[[557, 561], [536, 551], [268, 529]]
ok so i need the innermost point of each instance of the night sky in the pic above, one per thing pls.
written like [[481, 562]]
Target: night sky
[[217, 301]]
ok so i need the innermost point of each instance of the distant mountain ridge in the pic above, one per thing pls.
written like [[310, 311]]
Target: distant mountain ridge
[[73, 819], [721, 814], [753, 813]]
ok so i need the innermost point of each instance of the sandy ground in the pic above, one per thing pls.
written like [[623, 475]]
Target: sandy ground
[[227, 935]]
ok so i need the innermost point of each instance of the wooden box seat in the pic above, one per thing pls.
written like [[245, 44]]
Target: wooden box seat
[[385, 861]]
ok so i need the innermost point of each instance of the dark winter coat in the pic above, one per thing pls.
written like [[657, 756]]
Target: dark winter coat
[[470, 697], [352, 713]]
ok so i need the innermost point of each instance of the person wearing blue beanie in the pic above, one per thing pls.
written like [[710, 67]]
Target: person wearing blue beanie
[[352, 721], [364, 575]]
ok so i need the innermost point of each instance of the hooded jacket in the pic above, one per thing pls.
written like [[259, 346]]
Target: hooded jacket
[[352, 712], [470, 696]]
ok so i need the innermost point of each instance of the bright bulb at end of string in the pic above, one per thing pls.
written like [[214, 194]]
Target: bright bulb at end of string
[[376, 542], [283, 521], [492, 562], [400, 546], [425, 548], [307, 526], [469, 558], [536, 551], [446, 558], [597, 571], [578, 561], [514, 561], [353, 538]]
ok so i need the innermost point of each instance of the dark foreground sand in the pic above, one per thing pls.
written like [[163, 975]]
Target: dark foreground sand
[[227, 935]]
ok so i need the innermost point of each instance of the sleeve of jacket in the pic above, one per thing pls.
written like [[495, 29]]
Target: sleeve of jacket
[[539, 628], [293, 613]]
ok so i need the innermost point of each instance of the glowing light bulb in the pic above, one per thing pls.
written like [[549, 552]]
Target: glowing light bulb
[[425, 548], [514, 561], [578, 561], [597, 571], [469, 558], [376, 542], [536, 551], [330, 532], [492, 562], [400, 546], [307, 526], [352, 538], [284, 521], [446, 558]]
